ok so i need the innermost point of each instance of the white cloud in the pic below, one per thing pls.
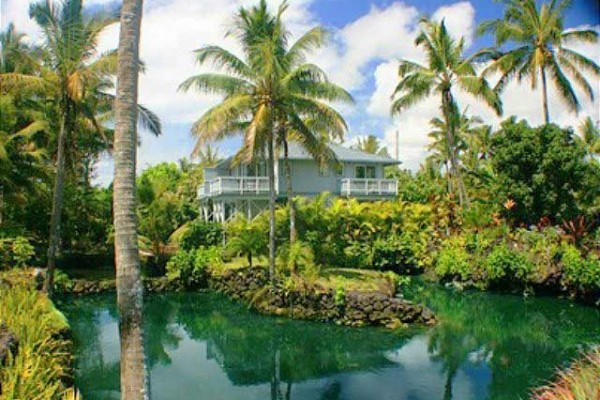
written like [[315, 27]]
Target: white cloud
[[385, 34]]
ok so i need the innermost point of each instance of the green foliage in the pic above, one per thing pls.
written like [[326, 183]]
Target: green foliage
[[453, 259], [246, 238], [504, 263], [340, 296], [42, 364], [62, 282], [543, 170], [16, 252], [189, 268], [298, 258], [584, 273], [200, 233], [400, 253]]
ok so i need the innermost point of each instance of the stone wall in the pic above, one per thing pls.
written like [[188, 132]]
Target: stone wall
[[252, 286], [151, 285]]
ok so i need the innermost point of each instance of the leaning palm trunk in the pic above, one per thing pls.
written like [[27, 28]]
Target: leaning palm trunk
[[57, 201], [290, 194], [271, 153], [134, 384], [447, 103]]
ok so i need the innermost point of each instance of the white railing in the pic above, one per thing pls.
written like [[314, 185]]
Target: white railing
[[245, 185], [366, 187]]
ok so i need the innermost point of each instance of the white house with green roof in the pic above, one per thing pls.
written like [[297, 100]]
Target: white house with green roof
[[231, 188]]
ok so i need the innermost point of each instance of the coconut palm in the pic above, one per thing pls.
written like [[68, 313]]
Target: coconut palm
[[268, 93], [446, 69], [541, 49], [73, 77], [69, 49], [134, 383], [372, 144]]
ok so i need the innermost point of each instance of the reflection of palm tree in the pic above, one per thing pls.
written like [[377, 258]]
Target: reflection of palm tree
[[333, 391]]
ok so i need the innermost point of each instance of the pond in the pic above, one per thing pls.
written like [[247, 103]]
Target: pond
[[204, 346]]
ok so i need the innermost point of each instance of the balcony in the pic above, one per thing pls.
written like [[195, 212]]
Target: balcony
[[233, 185], [369, 187]]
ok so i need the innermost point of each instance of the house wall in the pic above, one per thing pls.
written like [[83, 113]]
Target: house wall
[[309, 181]]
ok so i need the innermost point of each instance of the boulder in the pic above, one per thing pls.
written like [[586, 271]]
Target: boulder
[[8, 343]]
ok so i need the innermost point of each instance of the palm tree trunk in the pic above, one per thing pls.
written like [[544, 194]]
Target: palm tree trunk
[[134, 384], [57, 201], [545, 96], [447, 102], [271, 153], [1, 203], [290, 194]]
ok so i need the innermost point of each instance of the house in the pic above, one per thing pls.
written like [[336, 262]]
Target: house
[[244, 188]]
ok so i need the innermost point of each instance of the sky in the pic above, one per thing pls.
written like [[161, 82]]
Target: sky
[[367, 38]]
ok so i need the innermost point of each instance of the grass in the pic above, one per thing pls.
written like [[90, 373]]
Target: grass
[[581, 381], [42, 363]]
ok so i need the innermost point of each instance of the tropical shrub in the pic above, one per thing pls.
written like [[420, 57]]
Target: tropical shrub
[[200, 233], [503, 263], [16, 252], [246, 238], [453, 259], [581, 381], [42, 363], [581, 272], [400, 253], [298, 258], [543, 170], [190, 268]]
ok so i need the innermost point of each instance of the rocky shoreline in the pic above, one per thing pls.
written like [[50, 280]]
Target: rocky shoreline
[[252, 286]]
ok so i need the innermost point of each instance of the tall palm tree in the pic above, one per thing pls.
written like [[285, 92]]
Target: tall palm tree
[[134, 383], [371, 144], [446, 68], [541, 49], [73, 76], [307, 118], [71, 64], [266, 94]]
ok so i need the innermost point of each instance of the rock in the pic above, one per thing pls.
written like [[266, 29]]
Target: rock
[[8, 343]]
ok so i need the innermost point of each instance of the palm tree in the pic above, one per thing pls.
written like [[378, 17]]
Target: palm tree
[[590, 134], [208, 156], [71, 65], [267, 94], [72, 76], [542, 48], [446, 68], [134, 383], [372, 144], [307, 119]]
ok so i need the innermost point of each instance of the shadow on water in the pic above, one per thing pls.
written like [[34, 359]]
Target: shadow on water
[[205, 346]]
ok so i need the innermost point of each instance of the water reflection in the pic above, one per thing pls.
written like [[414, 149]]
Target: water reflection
[[204, 346]]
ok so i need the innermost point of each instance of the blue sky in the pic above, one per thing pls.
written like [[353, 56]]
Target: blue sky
[[368, 37]]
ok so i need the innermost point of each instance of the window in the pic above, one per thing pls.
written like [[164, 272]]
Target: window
[[370, 172], [256, 169], [360, 172], [323, 171], [365, 172]]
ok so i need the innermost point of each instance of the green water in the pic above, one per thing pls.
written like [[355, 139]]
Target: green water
[[203, 346]]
